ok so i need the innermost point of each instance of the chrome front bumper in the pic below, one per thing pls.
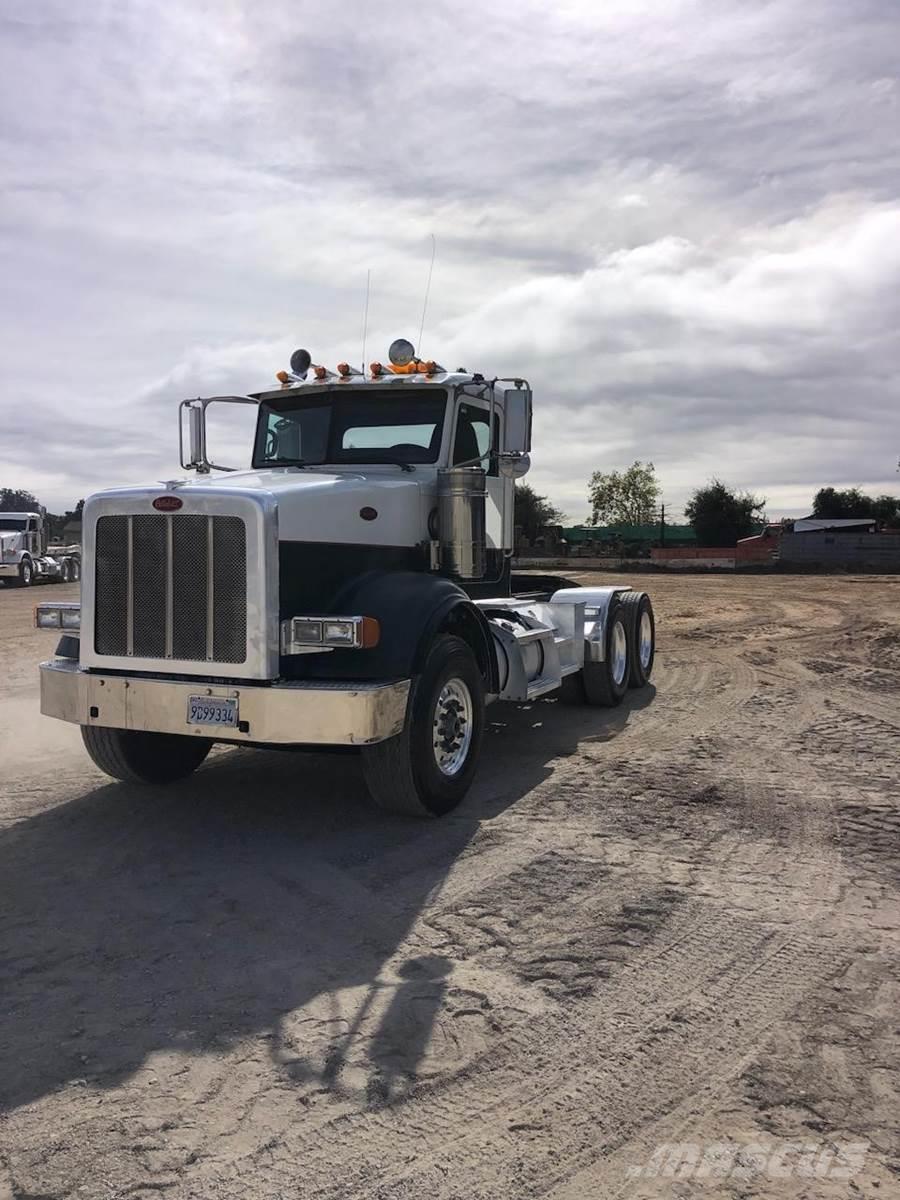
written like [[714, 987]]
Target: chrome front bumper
[[302, 713]]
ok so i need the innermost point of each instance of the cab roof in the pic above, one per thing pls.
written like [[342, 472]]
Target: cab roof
[[334, 383]]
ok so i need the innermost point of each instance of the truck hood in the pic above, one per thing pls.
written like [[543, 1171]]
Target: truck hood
[[317, 504]]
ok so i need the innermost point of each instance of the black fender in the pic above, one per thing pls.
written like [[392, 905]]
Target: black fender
[[411, 607]]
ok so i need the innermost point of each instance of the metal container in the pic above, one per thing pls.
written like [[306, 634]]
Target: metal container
[[461, 521]]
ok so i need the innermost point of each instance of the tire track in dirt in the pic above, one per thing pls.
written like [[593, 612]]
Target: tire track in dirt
[[638, 1046]]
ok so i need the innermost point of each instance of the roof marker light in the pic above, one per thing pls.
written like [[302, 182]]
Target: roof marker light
[[320, 372], [283, 378], [377, 369], [402, 352]]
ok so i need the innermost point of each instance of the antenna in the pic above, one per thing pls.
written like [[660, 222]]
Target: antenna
[[427, 290], [366, 318]]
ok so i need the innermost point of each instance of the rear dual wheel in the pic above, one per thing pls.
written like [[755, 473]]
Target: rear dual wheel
[[629, 650], [642, 635]]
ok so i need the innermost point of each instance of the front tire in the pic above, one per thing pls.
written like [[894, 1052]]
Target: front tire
[[134, 756], [26, 573], [426, 770]]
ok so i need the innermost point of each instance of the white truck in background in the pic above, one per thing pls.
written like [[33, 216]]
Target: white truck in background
[[26, 555], [353, 588]]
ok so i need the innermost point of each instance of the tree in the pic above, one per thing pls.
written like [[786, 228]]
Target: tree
[[12, 500], [832, 504], [720, 517], [533, 512], [57, 522], [624, 497], [886, 511]]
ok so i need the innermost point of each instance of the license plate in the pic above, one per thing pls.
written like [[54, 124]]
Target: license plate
[[212, 710]]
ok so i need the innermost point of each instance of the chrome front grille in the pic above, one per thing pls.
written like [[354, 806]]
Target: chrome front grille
[[171, 586]]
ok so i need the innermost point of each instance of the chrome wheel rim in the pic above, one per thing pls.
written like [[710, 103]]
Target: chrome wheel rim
[[452, 727], [619, 653], [645, 640]]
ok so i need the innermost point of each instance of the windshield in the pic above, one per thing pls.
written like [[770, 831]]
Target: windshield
[[8, 523], [351, 427]]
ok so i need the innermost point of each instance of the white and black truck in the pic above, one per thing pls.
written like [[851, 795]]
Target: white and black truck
[[352, 588], [26, 555]]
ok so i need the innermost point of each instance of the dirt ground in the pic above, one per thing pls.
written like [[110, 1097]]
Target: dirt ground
[[675, 924]]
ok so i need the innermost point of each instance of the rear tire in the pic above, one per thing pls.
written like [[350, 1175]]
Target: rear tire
[[134, 756], [426, 770], [642, 635], [604, 684]]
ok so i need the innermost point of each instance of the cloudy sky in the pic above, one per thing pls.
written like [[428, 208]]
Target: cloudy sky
[[679, 218]]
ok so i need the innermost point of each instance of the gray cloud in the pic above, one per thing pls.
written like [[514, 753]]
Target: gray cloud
[[680, 218]]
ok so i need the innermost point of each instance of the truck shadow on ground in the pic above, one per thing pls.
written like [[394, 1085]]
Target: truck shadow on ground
[[191, 918]]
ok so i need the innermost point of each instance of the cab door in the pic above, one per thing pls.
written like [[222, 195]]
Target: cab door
[[33, 539], [471, 442]]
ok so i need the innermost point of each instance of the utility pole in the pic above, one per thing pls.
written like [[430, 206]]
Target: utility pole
[[662, 526]]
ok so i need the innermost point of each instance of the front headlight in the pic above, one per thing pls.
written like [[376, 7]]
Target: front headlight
[[299, 635], [338, 633], [58, 616], [71, 618]]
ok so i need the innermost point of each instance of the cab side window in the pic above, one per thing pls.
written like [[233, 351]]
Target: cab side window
[[472, 438]]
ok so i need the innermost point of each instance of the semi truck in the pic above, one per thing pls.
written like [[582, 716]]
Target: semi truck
[[352, 588], [27, 556]]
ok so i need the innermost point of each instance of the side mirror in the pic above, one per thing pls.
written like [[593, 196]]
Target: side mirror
[[516, 437], [514, 466], [196, 436], [198, 458]]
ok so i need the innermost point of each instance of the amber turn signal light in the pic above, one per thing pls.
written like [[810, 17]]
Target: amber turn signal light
[[370, 633]]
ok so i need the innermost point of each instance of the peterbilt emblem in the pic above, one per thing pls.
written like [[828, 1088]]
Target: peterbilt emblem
[[167, 503]]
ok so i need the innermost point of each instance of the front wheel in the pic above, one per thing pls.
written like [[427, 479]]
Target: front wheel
[[427, 769], [134, 756], [26, 573]]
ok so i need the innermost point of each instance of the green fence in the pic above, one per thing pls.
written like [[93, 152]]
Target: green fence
[[649, 535]]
